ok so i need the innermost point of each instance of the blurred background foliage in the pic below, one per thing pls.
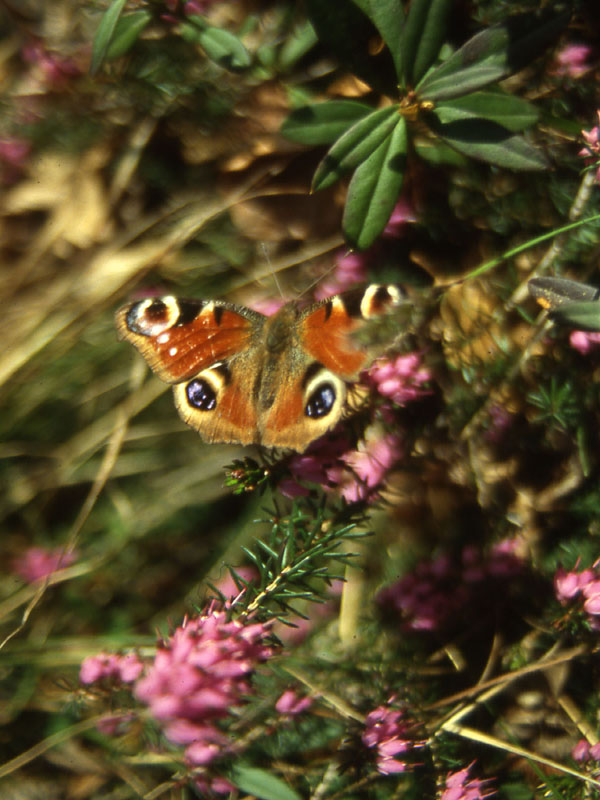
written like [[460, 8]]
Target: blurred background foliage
[[164, 170]]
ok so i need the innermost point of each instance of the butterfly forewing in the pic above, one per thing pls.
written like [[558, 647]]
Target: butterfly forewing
[[179, 338]]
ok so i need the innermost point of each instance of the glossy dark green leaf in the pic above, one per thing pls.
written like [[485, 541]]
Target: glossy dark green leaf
[[355, 146], [512, 112], [221, 46], [583, 316], [551, 293], [127, 32], [260, 783], [424, 33], [388, 18], [323, 123], [374, 189], [492, 54], [104, 34], [488, 141]]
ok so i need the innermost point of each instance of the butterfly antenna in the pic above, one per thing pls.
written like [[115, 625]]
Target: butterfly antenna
[[273, 273]]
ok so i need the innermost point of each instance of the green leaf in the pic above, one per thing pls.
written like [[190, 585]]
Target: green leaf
[[424, 34], [323, 123], [583, 316], [104, 34], [127, 32], [355, 146], [297, 44], [388, 18], [221, 46], [512, 112], [261, 784], [492, 54], [374, 189], [488, 141], [552, 293]]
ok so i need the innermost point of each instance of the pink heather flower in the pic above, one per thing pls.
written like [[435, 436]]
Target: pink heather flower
[[312, 465], [199, 674], [459, 787], [291, 703], [14, 151], [111, 666], [438, 592], [209, 786], [401, 379], [37, 563], [369, 467], [572, 60], [402, 214], [55, 70], [385, 731], [584, 341], [350, 269], [115, 725], [581, 751], [591, 151]]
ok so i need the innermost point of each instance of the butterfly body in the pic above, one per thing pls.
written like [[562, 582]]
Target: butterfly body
[[238, 376]]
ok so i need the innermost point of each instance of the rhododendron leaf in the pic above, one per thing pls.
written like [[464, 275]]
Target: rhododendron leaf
[[104, 34], [488, 141], [492, 54], [355, 146], [554, 292], [302, 39], [512, 112], [374, 189], [323, 123], [261, 784], [126, 33], [221, 46], [424, 34], [583, 316]]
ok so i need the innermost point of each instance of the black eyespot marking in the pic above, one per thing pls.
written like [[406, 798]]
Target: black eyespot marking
[[201, 395], [155, 313], [321, 401]]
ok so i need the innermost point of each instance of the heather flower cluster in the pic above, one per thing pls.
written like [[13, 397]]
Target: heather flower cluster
[[460, 787], [38, 562], [584, 751], [386, 731], [111, 667], [438, 591], [401, 379], [583, 586], [355, 474], [198, 676], [584, 341]]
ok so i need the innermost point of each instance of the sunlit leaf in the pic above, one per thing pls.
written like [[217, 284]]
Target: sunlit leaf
[[323, 123], [127, 32], [374, 189], [355, 146], [104, 34], [297, 44], [221, 46], [260, 783]]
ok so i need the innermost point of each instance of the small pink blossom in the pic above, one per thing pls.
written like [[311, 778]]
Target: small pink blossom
[[402, 214], [291, 703], [401, 379], [37, 563], [591, 151], [198, 676], [387, 731], [459, 787], [581, 751], [115, 725], [350, 269], [56, 71], [212, 785], [369, 466], [111, 666], [584, 341], [572, 60]]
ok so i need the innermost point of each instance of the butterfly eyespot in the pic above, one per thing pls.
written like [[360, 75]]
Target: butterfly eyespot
[[321, 401], [201, 395]]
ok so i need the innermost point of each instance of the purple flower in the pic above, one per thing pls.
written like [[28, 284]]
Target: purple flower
[[37, 563], [369, 466], [111, 666], [584, 341], [591, 151], [459, 787], [291, 703], [572, 60], [402, 214], [386, 731], [401, 379], [350, 269], [198, 676]]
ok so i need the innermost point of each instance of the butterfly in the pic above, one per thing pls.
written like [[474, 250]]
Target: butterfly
[[239, 376]]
